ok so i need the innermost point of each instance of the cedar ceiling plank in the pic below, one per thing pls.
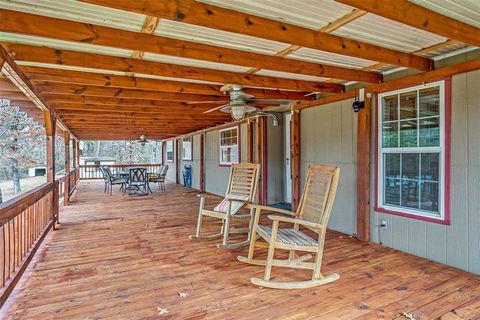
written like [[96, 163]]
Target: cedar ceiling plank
[[97, 61], [37, 74], [202, 14], [94, 108], [416, 16], [36, 25]]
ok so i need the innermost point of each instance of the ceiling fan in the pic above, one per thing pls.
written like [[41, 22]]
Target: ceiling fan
[[143, 140], [242, 103]]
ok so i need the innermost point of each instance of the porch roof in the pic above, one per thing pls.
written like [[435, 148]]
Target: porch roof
[[123, 257], [117, 69]]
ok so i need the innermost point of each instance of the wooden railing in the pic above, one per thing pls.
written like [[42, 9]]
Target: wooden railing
[[24, 222], [88, 172]]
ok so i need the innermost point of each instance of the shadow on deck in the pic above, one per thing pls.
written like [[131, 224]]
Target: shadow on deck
[[130, 257]]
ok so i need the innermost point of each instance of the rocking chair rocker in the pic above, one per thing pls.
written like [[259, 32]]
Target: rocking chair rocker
[[313, 213], [241, 193]]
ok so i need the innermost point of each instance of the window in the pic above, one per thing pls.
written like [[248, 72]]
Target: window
[[187, 149], [411, 152], [169, 155], [229, 146]]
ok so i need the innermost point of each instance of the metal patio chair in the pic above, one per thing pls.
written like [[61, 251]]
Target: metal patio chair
[[112, 180], [159, 177], [137, 182]]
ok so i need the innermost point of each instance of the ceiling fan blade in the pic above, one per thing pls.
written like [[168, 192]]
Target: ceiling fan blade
[[203, 102], [216, 108], [268, 101]]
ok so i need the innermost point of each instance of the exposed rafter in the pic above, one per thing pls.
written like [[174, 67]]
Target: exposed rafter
[[194, 12], [97, 61], [411, 14], [35, 25]]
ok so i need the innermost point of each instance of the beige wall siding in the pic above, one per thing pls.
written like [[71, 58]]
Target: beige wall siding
[[216, 176], [328, 136], [458, 244]]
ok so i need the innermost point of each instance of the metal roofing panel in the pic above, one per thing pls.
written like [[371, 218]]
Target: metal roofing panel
[[387, 33], [287, 75], [190, 32], [65, 45], [467, 11], [317, 56], [78, 11], [312, 14], [193, 62]]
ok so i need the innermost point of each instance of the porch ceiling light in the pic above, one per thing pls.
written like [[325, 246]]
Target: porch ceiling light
[[238, 111]]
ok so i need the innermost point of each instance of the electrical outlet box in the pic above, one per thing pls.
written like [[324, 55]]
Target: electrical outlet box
[[383, 224]]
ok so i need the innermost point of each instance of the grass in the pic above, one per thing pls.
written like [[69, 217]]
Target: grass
[[26, 184]]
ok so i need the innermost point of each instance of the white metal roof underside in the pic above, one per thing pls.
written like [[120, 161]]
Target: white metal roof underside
[[312, 14]]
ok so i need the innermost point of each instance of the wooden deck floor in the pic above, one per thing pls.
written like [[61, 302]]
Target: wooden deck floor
[[129, 258]]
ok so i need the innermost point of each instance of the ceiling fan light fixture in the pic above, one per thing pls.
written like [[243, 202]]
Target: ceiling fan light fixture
[[238, 112]]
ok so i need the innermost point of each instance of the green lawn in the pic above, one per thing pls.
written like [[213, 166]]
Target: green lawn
[[26, 184]]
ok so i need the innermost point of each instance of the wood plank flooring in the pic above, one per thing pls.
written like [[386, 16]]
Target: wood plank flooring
[[123, 257]]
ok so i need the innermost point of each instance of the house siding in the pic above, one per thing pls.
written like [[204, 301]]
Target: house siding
[[172, 166], [457, 244], [328, 135]]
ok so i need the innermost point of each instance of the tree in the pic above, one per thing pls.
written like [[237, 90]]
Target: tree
[[22, 141]]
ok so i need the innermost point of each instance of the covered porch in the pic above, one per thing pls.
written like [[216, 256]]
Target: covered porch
[[130, 258]]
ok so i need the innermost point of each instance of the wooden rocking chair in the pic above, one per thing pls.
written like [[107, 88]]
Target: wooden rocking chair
[[241, 193], [313, 213]]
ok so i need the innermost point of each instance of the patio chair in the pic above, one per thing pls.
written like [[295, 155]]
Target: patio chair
[[241, 192], [112, 180], [137, 182], [313, 213], [105, 178], [159, 177]]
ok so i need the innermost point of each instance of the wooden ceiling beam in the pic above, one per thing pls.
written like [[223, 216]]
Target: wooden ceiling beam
[[416, 16], [98, 61], [14, 95], [36, 25], [202, 14], [36, 74], [185, 109], [72, 89]]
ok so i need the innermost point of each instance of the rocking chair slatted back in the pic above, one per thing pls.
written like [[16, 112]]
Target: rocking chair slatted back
[[319, 194], [244, 180]]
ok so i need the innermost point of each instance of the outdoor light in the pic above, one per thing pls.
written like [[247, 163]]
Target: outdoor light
[[238, 112]]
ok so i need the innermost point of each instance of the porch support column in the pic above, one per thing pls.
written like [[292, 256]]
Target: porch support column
[[66, 194], [50, 123], [74, 153], [363, 172], [79, 153], [259, 145], [249, 141], [202, 162], [295, 157], [50, 127], [177, 165]]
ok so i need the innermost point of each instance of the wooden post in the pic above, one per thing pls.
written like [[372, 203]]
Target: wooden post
[[259, 123], [66, 195], [295, 157], [177, 165], [79, 153], [249, 141], [163, 153], [363, 172], [74, 153], [50, 126], [202, 162]]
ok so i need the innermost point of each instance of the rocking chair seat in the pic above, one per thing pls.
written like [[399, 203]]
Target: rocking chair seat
[[287, 236]]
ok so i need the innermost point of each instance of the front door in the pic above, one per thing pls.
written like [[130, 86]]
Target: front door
[[288, 167]]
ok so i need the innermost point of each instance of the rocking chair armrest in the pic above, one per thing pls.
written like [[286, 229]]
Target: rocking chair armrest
[[294, 220], [206, 195], [271, 209]]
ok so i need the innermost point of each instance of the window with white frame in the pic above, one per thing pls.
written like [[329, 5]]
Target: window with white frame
[[169, 152], [187, 148], [411, 151], [229, 146]]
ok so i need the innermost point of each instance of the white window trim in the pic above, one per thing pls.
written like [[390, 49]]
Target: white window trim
[[220, 147], [190, 140], [169, 142], [380, 177]]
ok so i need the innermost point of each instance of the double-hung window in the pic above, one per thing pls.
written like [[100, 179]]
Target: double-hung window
[[229, 146], [169, 152], [187, 148], [412, 153]]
